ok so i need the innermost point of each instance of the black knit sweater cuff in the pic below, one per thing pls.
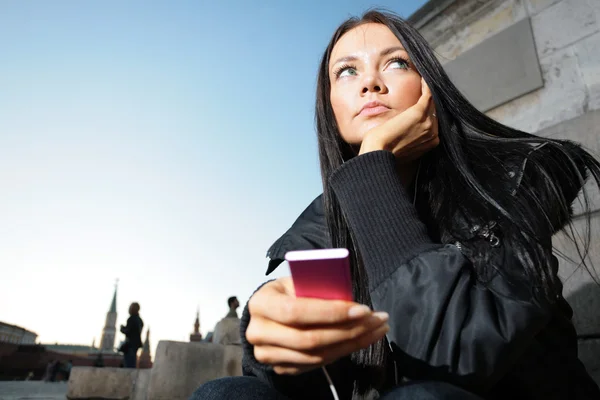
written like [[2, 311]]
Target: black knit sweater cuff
[[380, 213], [248, 360]]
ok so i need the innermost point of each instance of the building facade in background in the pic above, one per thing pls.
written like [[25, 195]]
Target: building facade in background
[[16, 335]]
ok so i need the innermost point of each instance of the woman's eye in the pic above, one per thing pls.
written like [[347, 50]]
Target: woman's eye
[[349, 71], [399, 64]]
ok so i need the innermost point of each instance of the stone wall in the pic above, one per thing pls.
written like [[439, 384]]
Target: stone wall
[[567, 40], [179, 369], [566, 34]]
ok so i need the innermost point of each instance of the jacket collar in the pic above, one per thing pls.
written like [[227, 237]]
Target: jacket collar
[[309, 231]]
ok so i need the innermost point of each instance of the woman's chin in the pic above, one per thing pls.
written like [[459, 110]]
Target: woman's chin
[[370, 124], [357, 137]]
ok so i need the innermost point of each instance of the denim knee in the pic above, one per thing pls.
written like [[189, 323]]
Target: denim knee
[[238, 387], [429, 391]]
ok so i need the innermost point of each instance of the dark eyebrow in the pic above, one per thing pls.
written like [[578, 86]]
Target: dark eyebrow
[[345, 59], [384, 52], [390, 50]]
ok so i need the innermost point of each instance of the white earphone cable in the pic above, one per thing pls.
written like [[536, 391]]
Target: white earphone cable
[[331, 385]]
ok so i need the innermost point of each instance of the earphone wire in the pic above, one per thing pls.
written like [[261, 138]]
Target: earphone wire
[[416, 182], [331, 385]]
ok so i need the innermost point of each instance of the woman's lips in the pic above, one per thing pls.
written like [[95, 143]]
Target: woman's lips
[[372, 111]]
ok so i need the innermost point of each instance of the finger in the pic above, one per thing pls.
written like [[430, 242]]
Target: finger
[[362, 342], [425, 88], [287, 369], [271, 304], [266, 332], [425, 99], [287, 358], [276, 355]]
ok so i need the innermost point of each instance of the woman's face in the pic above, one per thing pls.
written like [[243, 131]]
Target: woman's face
[[372, 80]]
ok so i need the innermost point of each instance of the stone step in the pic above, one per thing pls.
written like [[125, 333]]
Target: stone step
[[107, 383], [179, 368]]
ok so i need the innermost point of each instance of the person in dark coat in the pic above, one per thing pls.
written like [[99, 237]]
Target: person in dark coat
[[133, 336]]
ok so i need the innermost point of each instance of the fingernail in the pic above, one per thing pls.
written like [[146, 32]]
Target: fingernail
[[359, 311], [381, 315]]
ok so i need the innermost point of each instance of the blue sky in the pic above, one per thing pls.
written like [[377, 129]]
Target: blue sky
[[166, 144]]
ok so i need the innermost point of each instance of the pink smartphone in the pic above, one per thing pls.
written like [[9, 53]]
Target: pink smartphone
[[322, 274]]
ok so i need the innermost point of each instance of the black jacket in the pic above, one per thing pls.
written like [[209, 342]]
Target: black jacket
[[133, 331], [494, 340]]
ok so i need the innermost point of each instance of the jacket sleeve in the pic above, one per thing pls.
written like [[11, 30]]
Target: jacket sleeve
[[443, 324], [309, 385], [127, 328]]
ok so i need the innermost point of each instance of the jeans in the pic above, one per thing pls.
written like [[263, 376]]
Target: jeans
[[130, 358], [248, 388]]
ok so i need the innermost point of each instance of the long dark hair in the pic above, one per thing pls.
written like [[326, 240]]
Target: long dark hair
[[466, 175]]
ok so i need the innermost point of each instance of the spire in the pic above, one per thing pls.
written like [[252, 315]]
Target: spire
[[145, 360], [147, 341], [196, 336], [107, 342], [197, 323], [113, 305]]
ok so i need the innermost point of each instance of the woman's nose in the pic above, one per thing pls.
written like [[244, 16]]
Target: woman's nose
[[373, 83]]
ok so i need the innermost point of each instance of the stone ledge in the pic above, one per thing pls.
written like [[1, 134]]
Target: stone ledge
[[180, 368], [102, 383], [589, 354]]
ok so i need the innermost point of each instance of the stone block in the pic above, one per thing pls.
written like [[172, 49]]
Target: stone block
[[30, 390], [448, 20], [580, 289], [563, 97], [562, 24], [584, 129], [102, 383], [522, 113], [140, 391], [583, 293], [502, 68], [595, 4], [180, 368], [536, 6], [496, 20], [589, 354], [466, 27], [595, 376], [585, 301], [588, 57]]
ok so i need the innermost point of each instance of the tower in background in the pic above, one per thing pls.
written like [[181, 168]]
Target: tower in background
[[196, 336], [145, 360], [107, 343]]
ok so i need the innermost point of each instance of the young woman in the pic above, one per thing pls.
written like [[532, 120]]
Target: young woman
[[449, 217]]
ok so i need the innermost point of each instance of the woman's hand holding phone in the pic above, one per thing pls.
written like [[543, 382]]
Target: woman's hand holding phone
[[296, 335]]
